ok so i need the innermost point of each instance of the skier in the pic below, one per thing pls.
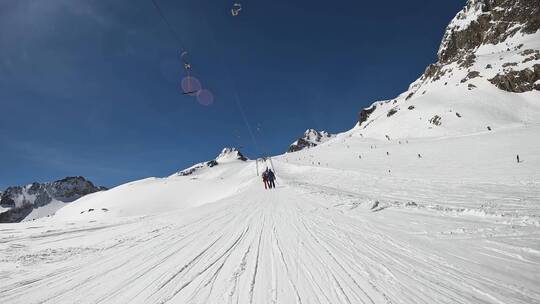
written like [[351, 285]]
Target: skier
[[265, 178], [271, 179], [517, 158]]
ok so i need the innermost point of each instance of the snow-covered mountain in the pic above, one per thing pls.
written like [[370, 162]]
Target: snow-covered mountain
[[199, 184], [446, 214], [487, 76], [42, 199], [311, 138], [226, 155]]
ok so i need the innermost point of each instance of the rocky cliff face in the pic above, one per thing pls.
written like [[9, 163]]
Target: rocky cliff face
[[487, 75], [485, 23], [311, 138], [21, 200]]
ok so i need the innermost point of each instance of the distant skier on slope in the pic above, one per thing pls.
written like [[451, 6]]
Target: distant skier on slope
[[265, 178], [271, 179]]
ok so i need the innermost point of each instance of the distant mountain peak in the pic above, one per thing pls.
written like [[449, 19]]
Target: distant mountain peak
[[311, 138], [228, 154], [21, 200]]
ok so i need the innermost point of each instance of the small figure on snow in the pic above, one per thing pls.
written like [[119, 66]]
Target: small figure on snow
[[265, 178], [271, 179], [517, 156], [419, 156]]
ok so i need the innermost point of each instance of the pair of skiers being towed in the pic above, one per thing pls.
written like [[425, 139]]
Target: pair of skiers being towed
[[269, 179]]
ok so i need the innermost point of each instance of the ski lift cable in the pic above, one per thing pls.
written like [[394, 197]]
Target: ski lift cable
[[233, 86], [183, 51], [244, 118], [173, 32]]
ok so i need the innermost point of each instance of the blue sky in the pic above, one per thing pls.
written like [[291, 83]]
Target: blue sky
[[91, 87]]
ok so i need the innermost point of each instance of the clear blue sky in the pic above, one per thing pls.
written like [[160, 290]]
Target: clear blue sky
[[91, 87]]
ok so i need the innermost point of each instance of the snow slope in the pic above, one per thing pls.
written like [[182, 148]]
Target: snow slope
[[459, 225], [419, 203], [157, 195], [483, 47]]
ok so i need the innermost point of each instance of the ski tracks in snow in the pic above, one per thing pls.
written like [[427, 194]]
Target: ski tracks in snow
[[288, 245]]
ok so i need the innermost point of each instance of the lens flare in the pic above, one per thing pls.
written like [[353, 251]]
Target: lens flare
[[205, 97], [191, 85]]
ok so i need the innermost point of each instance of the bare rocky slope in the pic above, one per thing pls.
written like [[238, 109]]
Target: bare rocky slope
[[487, 76], [21, 200], [311, 138]]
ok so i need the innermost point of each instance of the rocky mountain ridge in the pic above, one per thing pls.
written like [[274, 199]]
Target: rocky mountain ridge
[[21, 200], [487, 75], [311, 138]]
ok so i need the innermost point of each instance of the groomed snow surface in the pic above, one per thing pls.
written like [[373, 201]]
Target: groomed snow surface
[[354, 220]]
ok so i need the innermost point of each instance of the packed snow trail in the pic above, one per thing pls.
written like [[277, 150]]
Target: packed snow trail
[[294, 244]]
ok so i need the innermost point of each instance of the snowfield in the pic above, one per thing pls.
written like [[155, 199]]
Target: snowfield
[[433, 197], [354, 220]]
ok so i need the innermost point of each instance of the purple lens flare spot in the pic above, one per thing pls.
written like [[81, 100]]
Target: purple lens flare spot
[[205, 97], [191, 85]]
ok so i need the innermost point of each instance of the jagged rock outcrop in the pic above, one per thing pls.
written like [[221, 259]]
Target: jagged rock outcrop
[[490, 46], [21, 200], [364, 114], [487, 22], [518, 81], [230, 154], [480, 23], [311, 138]]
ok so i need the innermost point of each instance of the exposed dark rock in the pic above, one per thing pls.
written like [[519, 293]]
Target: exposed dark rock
[[471, 86], [529, 52], [518, 81], [458, 115], [509, 64], [467, 61], [16, 215], [409, 96], [20, 199], [212, 163], [411, 108], [533, 55], [497, 20], [311, 138], [470, 75], [364, 114], [436, 120], [391, 112]]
